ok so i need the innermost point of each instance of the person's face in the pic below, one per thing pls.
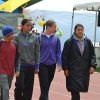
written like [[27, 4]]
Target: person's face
[[53, 28], [11, 37], [27, 27], [79, 32]]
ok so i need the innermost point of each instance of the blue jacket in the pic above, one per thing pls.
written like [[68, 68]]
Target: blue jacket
[[50, 49]]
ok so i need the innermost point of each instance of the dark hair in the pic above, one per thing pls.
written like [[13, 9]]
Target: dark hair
[[48, 23], [24, 21], [76, 26]]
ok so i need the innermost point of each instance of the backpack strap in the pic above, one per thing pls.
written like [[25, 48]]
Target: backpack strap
[[1, 41], [40, 38]]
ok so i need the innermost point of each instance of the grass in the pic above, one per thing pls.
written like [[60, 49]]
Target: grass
[[97, 69]]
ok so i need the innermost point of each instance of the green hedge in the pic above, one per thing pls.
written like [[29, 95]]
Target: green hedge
[[97, 69]]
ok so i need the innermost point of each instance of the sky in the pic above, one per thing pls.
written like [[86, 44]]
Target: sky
[[1, 1]]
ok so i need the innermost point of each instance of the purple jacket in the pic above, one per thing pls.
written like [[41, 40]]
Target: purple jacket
[[50, 49]]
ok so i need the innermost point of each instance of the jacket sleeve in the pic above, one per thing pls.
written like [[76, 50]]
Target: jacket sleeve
[[58, 53], [65, 55], [17, 59], [37, 54], [93, 62]]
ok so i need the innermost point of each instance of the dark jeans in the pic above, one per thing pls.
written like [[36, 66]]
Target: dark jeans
[[75, 95], [24, 84], [46, 75]]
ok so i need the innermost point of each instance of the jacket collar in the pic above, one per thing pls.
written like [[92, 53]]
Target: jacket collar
[[27, 34]]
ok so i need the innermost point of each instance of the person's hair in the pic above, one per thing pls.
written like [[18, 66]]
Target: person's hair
[[48, 23], [24, 21], [76, 26]]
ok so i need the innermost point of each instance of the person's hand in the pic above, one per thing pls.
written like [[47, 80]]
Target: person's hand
[[91, 70], [59, 68], [17, 73], [36, 71], [66, 73]]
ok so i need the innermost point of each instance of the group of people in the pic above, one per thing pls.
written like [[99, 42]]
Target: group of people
[[27, 54]]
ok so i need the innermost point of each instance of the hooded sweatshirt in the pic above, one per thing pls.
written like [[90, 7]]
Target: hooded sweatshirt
[[29, 50]]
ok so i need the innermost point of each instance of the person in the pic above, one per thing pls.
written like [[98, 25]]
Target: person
[[50, 57], [29, 54], [33, 24], [34, 31], [78, 62], [8, 61]]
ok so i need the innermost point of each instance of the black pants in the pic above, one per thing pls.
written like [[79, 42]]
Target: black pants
[[75, 95], [24, 84], [46, 75]]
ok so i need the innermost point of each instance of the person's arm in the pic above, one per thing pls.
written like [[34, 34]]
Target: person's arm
[[58, 52], [17, 61], [17, 64], [65, 57], [37, 55], [93, 63]]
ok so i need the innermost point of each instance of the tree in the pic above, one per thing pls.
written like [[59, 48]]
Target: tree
[[32, 2], [4, 0]]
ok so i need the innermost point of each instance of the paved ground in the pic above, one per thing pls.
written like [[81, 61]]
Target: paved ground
[[58, 90]]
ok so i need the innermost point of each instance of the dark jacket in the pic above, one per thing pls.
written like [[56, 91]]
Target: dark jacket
[[78, 65]]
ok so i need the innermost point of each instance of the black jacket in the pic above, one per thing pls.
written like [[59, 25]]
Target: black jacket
[[78, 65]]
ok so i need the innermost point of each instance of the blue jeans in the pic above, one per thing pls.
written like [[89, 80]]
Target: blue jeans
[[5, 84]]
